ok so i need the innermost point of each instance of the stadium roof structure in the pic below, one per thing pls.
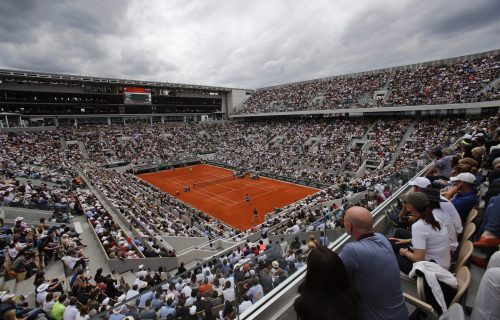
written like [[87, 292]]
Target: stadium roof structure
[[96, 80]]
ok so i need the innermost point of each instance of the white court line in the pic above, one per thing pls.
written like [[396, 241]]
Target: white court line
[[246, 184], [207, 193], [215, 178], [262, 177], [177, 181], [235, 201], [260, 195], [213, 196], [249, 183]]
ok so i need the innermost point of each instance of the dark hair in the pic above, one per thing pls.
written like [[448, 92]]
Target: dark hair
[[84, 310], [493, 175], [428, 218], [228, 309], [339, 301], [62, 298], [438, 153], [73, 301]]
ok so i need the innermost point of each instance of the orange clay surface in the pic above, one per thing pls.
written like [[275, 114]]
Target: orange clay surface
[[226, 200]]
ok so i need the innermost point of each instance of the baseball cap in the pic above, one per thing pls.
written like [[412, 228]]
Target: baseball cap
[[420, 182], [465, 177]]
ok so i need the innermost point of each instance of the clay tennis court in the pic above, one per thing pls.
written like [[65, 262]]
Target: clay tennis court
[[225, 200]]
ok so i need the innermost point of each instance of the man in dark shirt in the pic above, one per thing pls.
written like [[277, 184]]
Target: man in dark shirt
[[463, 195], [24, 262], [202, 305]]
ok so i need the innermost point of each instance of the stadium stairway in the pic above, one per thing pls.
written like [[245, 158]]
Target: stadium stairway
[[105, 203], [349, 148], [38, 182], [388, 81], [318, 139], [64, 146], [407, 134], [92, 250], [276, 140], [493, 84], [365, 136], [366, 99], [55, 269], [83, 150]]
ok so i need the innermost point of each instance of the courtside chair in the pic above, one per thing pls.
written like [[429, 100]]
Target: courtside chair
[[472, 215], [463, 281], [464, 254], [463, 278], [423, 306], [467, 234]]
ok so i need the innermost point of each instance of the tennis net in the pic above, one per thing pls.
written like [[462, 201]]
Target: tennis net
[[210, 182]]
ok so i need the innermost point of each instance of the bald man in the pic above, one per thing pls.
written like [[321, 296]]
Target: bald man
[[373, 267]]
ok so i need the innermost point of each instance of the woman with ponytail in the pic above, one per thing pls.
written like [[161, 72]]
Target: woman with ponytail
[[429, 238]]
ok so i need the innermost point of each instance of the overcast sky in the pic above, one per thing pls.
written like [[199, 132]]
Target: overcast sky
[[239, 43]]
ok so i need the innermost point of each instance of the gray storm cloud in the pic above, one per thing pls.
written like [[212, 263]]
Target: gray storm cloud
[[239, 43]]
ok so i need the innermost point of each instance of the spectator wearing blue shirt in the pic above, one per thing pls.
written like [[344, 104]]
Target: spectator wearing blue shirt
[[463, 194], [165, 310], [372, 265], [157, 302], [490, 226], [118, 313], [144, 298]]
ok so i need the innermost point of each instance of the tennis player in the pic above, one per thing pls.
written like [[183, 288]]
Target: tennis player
[[255, 215], [247, 199]]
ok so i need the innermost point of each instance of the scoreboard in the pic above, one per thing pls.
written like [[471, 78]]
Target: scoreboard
[[135, 95]]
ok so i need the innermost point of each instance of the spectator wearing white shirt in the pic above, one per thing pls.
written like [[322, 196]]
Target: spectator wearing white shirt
[[228, 292], [132, 293], [245, 304], [71, 312]]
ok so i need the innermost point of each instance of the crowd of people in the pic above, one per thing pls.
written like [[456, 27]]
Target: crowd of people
[[458, 82], [255, 268], [432, 217], [310, 150], [219, 288], [339, 92], [461, 81]]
